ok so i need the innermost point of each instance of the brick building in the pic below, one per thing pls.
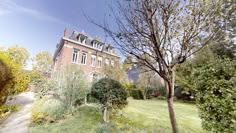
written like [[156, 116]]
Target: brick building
[[90, 54]]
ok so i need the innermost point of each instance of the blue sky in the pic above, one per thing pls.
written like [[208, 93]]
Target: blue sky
[[38, 25]]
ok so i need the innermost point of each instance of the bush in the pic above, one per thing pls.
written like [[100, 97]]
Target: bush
[[5, 110], [111, 95], [91, 99], [8, 74], [137, 94], [70, 85], [54, 108], [48, 110], [60, 95], [22, 82], [180, 94], [216, 99]]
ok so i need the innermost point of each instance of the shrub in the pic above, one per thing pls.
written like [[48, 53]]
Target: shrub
[[91, 99], [54, 108], [70, 85], [60, 95], [216, 99], [137, 94], [22, 82], [8, 70], [180, 94], [38, 115], [111, 95], [5, 110]]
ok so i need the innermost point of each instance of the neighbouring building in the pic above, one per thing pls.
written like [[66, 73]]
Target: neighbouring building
[[90, 54]]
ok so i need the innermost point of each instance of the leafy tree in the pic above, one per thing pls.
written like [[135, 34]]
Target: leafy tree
[[128, 63], [167, 32], [111, 95], [215, 86], [185, 77], [225, 45], [43, 62], [18, 54], [148, 82], [115, 72], [8, 68]]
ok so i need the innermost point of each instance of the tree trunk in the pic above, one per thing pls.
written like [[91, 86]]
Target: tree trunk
[[85, 99], [144, 95], [172, 115], [105, 115], [169, 85]]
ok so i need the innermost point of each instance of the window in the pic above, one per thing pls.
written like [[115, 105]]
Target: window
[[84, 56], [81, 39], [112, 63], [107, 61], [93, 60], [75, 56], [99, 61]]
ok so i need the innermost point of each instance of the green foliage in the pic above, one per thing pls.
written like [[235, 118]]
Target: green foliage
[[216, 95], [8, 73], [115, 72], [18, 54], [22, 81], [148, 83], [136, 94], [91, 99], [43, 62], [162, 91], [141, 116], [85, 120], [60, 95], [110, 93], [70, 84], [5, 110], [128, 63], [13, 79], [47, 110], [111, 128]]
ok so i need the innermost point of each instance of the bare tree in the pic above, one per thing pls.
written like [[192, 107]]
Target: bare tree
[[167, 32]]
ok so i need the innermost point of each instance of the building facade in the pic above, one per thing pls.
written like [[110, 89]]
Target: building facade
[[90, 54]]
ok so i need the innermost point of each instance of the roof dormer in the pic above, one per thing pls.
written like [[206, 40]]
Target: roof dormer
[[97, 44], [109, 49], [81, 38]]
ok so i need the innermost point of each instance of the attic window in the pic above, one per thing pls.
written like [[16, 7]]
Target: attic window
[[97, 45], [82, 39]]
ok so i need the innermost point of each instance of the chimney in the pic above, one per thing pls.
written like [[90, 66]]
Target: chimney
[[66, 32]]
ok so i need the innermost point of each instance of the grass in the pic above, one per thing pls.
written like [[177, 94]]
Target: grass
[[153, 116], [86, 120], [140, 116]]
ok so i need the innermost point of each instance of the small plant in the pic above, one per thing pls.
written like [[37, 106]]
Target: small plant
[[111, 95]]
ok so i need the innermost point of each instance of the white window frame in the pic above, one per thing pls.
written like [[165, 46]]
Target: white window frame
[[93, 60], [83, 61], [107, 62], [77, 56], [100, 62]]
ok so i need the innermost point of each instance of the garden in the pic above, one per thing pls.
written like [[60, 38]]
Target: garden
[[185, 57]]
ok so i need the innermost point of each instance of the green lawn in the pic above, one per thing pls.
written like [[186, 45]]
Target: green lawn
[[153, 115], [139, 116]]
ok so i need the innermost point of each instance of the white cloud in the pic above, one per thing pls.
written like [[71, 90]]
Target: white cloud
[[9, 6]]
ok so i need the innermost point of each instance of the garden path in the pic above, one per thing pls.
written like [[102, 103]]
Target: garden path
[[18, 122]]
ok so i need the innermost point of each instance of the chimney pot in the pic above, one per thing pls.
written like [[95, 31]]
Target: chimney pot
[[66, 32]]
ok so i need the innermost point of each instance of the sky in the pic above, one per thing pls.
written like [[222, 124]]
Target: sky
[[38, 25]]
